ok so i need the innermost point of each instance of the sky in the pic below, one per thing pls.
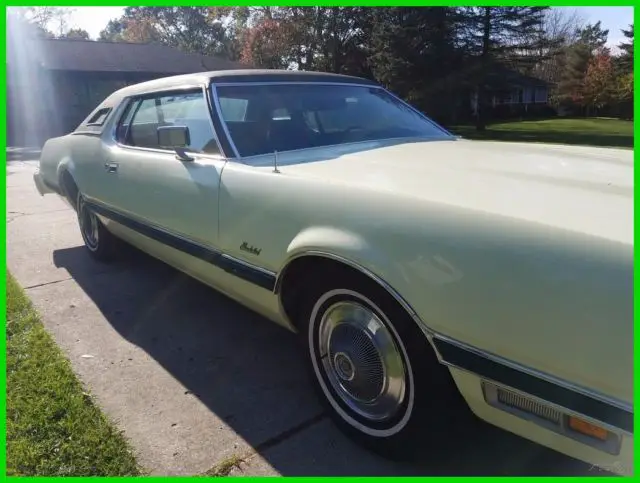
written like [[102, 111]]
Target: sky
[[612, 18], [94, 19]]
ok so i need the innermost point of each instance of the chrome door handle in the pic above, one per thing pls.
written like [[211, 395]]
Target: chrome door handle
[[111, 167]]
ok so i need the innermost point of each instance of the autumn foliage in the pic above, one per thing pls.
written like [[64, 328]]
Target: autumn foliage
[[265, 44], [599, 81], [436, 57]]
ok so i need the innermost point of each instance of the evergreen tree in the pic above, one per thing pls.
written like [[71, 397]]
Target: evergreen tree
[[496, 36], [625, 60], [571, 87], [413, 52]]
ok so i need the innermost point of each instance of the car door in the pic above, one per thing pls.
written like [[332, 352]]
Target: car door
[[150, 185]]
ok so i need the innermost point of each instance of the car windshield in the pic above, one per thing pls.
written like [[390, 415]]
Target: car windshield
[[265, 118]]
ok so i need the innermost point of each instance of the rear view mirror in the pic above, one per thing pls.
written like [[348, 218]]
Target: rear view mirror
[[173, 136]]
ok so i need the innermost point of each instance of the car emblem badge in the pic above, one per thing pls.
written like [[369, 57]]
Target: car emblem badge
[[249, 248]]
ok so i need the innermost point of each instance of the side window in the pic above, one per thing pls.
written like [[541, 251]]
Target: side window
[[233, 109], [147, 113], [190, 110]]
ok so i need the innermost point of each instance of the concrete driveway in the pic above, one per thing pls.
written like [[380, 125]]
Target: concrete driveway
[[193, 378]]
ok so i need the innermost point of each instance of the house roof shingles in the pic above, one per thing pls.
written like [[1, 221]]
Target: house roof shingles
[[99, 56]]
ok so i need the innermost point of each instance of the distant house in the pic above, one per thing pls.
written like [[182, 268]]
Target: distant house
[[514, 94], [52, 84]]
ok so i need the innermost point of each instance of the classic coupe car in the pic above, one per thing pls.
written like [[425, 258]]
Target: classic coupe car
[[428, 276]]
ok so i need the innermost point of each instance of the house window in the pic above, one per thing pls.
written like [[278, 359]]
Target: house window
[[504, 98], [530, 95], [541, 94]]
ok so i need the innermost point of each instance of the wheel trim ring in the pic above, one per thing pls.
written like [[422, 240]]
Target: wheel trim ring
[[377, 432]]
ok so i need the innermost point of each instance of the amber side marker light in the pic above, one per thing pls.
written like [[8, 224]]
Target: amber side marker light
[[588, 429], [552, 418]]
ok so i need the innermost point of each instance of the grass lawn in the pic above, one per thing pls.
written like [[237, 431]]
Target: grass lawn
[[53, 427], [587, 131]]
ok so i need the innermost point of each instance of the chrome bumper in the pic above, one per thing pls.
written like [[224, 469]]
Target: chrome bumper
[[42, 188]]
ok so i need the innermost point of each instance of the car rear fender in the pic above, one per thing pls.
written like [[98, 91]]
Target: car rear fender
[[55, 159]]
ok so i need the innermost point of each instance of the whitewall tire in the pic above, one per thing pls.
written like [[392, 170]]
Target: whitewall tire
[[374, 369]]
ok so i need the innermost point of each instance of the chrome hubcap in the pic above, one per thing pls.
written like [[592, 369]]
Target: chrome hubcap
[[361, 360]]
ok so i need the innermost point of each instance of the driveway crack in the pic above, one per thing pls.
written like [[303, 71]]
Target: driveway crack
[[47, 283]]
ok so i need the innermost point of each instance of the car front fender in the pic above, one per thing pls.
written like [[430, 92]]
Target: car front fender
[[354, 250]]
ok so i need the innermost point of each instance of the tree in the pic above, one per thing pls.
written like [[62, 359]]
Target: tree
[[625, 60], [317, 38], [141, 30], [413, 52], [337, 34], [574, 69], [623, 67], [77, 34], [593, 36], [563, 25], [624, 88], [235, 21], [114, 30], [267, 44], [578, 58], [190, 29], [501, 35], [599, 83], [561, 29]]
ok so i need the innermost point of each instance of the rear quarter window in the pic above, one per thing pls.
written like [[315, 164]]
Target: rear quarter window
[[97, 119]]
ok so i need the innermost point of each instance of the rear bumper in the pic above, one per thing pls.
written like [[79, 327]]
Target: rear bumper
[[41, 186]]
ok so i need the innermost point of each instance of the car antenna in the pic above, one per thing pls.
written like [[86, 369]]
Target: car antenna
[[275, 162]]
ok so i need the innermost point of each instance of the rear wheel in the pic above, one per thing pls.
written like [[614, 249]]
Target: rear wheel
[[102, 245], [375, 370]]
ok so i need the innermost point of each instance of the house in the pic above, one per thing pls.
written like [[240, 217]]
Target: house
[[52, 84], [512, 94]]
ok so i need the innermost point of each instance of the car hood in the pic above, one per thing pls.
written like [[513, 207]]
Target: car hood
[[583, 189]]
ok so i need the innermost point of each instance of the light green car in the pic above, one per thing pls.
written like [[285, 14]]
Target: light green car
[[426, 275]]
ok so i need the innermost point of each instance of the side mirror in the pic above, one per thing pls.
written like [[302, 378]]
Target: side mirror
[[173, 137]]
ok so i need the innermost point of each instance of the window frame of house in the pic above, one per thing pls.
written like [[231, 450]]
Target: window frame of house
[[536, 98]]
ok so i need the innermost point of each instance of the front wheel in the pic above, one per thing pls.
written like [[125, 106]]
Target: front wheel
[[376, 371]]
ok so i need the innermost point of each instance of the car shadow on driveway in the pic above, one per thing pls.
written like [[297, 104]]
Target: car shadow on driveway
[[248, 372]]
